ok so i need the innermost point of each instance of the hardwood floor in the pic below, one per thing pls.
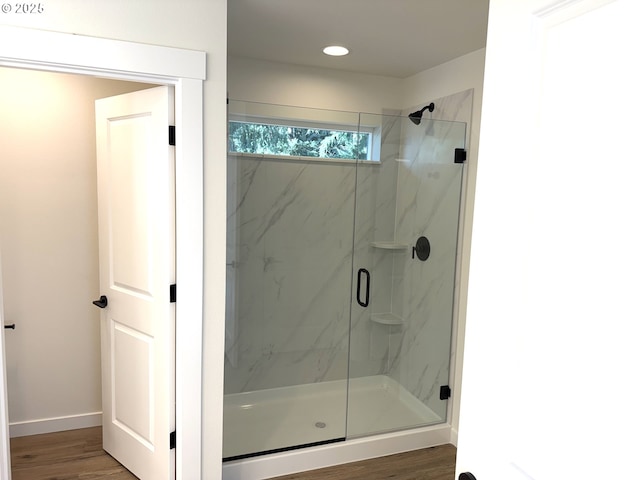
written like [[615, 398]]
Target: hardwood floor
[[78, 455], [71, 455], [437, 463]]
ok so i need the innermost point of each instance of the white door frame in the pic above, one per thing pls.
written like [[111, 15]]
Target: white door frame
[[185, 70], [5, 456]]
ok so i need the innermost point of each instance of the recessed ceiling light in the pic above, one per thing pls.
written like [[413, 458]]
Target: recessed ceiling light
[[335, 50]]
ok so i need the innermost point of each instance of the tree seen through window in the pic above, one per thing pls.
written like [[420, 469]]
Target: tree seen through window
[[270, 139]]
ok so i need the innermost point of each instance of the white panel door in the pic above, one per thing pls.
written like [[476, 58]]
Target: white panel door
[[5, 456], [137, 265], [550, 384]]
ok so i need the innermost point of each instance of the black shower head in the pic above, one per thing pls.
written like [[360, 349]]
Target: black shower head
[[416, 117]]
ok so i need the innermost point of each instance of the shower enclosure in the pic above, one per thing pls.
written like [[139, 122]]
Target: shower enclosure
[[340, 275]]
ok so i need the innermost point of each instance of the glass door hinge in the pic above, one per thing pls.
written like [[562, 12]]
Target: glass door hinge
[[445, 392], [460, 155]]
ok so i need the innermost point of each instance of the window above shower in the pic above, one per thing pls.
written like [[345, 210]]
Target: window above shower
[[277, 131], [270, 137]]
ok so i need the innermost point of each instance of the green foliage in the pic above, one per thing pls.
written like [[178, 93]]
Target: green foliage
[[296, 141]]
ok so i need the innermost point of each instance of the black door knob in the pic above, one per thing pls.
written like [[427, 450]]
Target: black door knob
[[101, 302], [466, 476], [12, 326]]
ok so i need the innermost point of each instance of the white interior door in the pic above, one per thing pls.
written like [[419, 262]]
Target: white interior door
[[550, 378], [5, 455], [137, 267]]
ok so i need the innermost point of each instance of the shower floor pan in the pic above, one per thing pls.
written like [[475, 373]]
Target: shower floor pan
[[267, 420]]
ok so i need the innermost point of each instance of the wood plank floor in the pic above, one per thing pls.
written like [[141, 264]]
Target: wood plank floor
[[78, 455], [436, 463], [70, 455]]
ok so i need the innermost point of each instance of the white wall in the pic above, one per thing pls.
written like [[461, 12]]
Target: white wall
[[553, 299], [466, 72], [198, 25], [48, 237], [283, 84]]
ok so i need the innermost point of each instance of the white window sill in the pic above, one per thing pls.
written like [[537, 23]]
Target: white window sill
[[291, 158]]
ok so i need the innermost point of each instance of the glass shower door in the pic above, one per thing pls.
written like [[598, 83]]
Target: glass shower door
[[289, 247], [405, 247]]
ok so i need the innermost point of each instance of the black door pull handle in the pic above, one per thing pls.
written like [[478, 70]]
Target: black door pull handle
[[367, 275], [12, 326], [102, 302]]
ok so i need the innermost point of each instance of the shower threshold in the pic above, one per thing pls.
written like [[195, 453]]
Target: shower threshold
[[268, 421]]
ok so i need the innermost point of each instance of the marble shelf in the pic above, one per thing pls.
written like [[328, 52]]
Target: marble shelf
[[389, 245], [387, 319]]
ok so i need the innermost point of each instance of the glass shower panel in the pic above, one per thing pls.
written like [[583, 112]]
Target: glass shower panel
[[405, 246], [289, 247]]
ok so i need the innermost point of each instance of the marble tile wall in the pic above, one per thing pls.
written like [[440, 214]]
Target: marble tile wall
[[375, 221], [428, 202], [293, 244]]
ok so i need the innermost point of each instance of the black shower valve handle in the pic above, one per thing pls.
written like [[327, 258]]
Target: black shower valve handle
[[422, 249]]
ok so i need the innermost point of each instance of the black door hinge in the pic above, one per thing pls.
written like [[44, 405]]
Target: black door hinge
[[172, 440], [172, 135], [445, 392], [172, 293], [460, 155]]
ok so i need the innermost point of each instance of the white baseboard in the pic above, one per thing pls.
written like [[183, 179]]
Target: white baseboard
[[56, 424], [311, 458], [454, 437]]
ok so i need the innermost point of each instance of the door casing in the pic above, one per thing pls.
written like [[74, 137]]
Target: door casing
[[4, 413], [185, 70]]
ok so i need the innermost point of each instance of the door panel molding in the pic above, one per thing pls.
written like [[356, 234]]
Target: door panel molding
[[136, 230]]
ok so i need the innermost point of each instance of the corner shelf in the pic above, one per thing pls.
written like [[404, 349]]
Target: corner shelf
[[387, 318], [389, 245]]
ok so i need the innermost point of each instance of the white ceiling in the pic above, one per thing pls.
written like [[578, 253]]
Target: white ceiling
[[395, 38]]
